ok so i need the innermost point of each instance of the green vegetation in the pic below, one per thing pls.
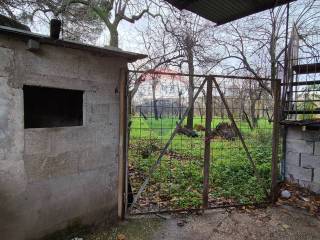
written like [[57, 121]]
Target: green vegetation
[[309, 104], [177, 182]]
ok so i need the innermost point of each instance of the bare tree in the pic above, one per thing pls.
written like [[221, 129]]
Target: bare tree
[[154, 84], [258, 42], [7, 8], [189, 34], [109, 12]]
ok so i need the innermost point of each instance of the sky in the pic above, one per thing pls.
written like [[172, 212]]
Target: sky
[[129, 36]]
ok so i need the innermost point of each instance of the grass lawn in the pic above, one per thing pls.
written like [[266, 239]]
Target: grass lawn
[[177, 182]]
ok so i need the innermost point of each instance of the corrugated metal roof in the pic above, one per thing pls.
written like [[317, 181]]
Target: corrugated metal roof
[[223, 11], [105, 51]]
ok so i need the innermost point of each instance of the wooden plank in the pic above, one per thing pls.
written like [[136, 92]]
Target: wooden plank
[[206, 166], [122, 144]]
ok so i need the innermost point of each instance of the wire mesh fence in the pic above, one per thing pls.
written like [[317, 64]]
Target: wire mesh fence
[[177, 182]]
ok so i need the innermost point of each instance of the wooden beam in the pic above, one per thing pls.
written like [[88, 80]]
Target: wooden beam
[[122, 144]]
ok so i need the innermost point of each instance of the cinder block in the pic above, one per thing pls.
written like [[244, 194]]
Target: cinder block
[[305, 184], [37, 167], [6, 63], [312, 186], [12, 179], [294, 133], [41, 167], [299, 173], [14, 104], [4, 121], [310, 161], [71, 139], [36, 141], [299, 146], [315, 187], [316, 177], [100, 108], [94, 158], [104, 70], [106, 136], [98, 119], [51, 62], [311, 135], [317, 148], [63, 164], [2, 153], [11, 122], [293, 158]]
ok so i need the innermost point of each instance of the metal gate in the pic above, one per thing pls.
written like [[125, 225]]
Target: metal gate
[[192, 150]]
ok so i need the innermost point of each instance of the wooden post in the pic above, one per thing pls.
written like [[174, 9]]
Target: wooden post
[[275, 141], [206, 166], [122, 144]]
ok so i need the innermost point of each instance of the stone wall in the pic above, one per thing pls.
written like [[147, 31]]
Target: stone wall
[[53, 177], [302, 163]]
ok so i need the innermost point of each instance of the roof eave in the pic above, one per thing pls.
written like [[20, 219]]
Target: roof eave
[[230, 16], [107, 51]]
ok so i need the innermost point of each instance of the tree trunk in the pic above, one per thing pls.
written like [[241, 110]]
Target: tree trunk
[[221, 109], [242, 108], [114, 37], [253, 113], [130, 103], [179, 107], [154, 102], [191, 88]]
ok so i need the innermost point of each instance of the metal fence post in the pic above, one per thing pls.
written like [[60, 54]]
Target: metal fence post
[[275, 141], [206, 166]]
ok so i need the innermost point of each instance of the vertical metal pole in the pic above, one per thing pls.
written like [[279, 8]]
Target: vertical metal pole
[[206, 166], [286, 63], [284, 90], [275, 141]]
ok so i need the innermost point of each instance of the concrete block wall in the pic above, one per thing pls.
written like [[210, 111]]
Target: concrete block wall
[[302, 163], [52, 177]]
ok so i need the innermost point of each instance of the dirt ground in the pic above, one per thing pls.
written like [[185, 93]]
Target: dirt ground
[[280, 222]]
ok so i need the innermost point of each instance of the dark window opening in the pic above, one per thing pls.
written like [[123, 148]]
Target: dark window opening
[[51, 107]]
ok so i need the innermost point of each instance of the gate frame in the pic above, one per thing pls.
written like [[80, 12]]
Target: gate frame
[[124, 119]]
